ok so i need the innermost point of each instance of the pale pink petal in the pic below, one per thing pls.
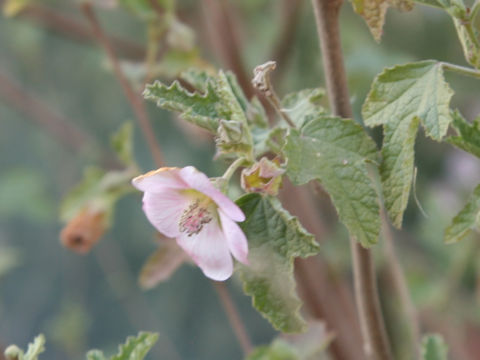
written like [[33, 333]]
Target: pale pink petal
[[164, 210], [236, 239], [209, 250], [200, 182], [160, 180]]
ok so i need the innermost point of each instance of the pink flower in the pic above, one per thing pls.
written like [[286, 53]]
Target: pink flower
[[183, 204]]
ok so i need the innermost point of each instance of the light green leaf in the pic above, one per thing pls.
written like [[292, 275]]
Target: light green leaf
[[302, 104], [12, 8], [434, 348], [13, 352], [466, 220], [335, 152], [434, 3], [275, 238], [122, 144], [468, 138], [374, 11], [95, 355], [401, 97], [278, 350], [136, 348]]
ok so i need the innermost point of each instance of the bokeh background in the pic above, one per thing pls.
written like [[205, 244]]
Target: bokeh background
[[94, 301]]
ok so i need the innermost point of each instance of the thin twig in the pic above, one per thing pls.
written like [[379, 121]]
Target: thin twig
[[136, 102], [376, 344], [221, 28], [67, 26], [59, 127], [233, 316]]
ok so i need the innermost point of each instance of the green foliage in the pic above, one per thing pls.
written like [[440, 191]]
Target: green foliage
[[434, 348], [99, 190], [275, 238], [278, 350], [466, 220], [374, 11], [134, 348], [399, 99], [302, 104], [468, 138], [335, 152], [144, 8], [13, 352]]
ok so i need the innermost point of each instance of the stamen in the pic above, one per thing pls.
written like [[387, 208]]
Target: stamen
[[194, 218]]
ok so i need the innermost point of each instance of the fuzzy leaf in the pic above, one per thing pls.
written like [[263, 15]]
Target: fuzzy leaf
[[374, 11], [399, 99], [434, 348], [275, 238], [136, 348], [95, 355], [277, 350], [302, 104], [162, 264], [122, 144], [468, 138], [335, 152], [466, 220], [34, 350]]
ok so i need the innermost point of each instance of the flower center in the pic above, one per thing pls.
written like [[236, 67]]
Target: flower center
[[195, 217]]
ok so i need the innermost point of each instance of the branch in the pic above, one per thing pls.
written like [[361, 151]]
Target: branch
[[68, 26], [375, 338], [60, 128], [136, 102]]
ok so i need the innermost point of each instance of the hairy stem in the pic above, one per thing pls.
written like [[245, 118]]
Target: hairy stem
[[375, 338], [136, 102], [462, 70]]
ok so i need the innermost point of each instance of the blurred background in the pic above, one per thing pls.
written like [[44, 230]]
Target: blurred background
[[59, 104]]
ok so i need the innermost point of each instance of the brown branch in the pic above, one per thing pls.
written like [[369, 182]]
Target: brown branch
[[376, 343], [136, 102], [68, 26], [59, 127], [233, 316], [325, 295], [282, 50], [220, 26]]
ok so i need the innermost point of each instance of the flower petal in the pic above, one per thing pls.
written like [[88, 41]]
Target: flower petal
[[236, 239], [160, 180], [164, 210], [200, 182], [209, 250]]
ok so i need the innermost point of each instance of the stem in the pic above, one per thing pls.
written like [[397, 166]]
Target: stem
[[462, 70], [136, 102], [375, 338], [233, 316], [400, 285], [232, 168]]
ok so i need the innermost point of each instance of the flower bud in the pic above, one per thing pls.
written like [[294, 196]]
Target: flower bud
[[264, 176], [83, 231]]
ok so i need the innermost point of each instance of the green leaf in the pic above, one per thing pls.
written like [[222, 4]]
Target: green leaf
[[136, 348], [374, 11], [335, 152], [275, 238], [399, 99], [466, 220], [95, 355], [434, 348], [468, 138], [278, 350], [303, 104], [434, 3], [122, 144], [144, 9], [34, 350]]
